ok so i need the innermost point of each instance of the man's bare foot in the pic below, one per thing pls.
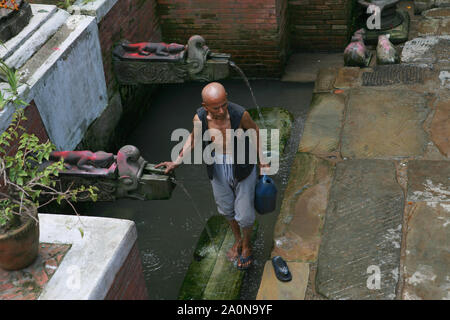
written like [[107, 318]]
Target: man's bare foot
[[245, 259], [234, 252]]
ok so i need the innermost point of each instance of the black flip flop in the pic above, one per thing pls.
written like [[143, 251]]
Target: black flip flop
[[243, 260], [281, 269]]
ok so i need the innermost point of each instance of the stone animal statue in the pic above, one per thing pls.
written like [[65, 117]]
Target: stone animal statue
[[159, 49], [84, 160], [386, 52], [356, 53], [130, 167], [197, 54]]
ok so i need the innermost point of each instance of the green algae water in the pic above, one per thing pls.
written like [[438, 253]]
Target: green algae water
[[169, 230]]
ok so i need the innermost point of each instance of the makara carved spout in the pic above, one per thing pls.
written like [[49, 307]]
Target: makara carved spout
[[152, 63], [125, 175]]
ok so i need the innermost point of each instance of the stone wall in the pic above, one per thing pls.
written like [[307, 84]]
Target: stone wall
[[252, 31], [319, 25], [133, 20]]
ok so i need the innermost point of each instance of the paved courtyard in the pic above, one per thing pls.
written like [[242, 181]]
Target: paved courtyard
[[366, 213]]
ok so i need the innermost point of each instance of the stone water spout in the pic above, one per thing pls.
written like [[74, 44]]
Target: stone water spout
[[125, 175], [14, 16], [152, 63]]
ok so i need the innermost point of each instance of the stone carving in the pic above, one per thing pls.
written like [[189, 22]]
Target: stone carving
[[393, 21], [356, 53], [83, 160], [126, 175], [14, 16], [197, 54], [389, 17], [152, 51], [151, 63], [386, 52]]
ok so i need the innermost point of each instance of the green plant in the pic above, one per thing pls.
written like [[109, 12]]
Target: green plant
[[22, 175]]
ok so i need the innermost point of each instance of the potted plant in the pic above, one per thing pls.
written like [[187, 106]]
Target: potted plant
[[25, 185]]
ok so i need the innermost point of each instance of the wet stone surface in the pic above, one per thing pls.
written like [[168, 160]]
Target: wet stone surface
[[348, 77], [428, 181], [325, 80], [440, 128], [426, 263], [298, 230], [384, 124], [362, 232], [323, 126]]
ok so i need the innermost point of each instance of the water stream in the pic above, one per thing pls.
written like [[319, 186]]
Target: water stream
[[168, 230], [244, 77]]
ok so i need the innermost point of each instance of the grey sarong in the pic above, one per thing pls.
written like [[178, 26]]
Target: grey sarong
[[235, 200]]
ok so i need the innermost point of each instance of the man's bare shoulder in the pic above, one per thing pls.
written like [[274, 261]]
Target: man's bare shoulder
[[247, 121]]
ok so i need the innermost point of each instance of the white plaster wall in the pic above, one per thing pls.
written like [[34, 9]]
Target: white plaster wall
[[72, 92]]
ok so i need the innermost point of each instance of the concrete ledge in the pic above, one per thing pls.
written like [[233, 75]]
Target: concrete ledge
[[95, 8], [100, 247], [41, 13], [35, 41], [69, 98]]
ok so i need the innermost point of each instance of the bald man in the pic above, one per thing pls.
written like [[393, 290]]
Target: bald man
[[233, 182]]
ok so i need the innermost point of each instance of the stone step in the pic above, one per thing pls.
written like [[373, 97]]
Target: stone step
[[35, 40], [41, 14], [359, 257]]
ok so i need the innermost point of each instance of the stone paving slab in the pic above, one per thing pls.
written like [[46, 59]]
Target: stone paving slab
[[325, 80], [440, 126], [427, 260], [298, 229], [384, 124], [323, 125], [428, 181], [362, 230], [428, 27], [307, 170], [348, 77], [273, 289]]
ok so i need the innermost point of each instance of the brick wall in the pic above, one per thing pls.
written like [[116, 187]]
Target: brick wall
[[129, 283], [319, 25], [133, 20], [250, 30]]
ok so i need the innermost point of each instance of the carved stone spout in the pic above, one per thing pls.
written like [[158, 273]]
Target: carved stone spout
[[125, 175], [152, 63]]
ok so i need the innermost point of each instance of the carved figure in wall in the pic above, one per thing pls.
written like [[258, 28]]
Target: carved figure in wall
[[159, 49], [83, 160], [130, 166], [386, 52]]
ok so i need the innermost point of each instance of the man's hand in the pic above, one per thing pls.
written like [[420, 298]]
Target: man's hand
[[170, 166], [263, 168]]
